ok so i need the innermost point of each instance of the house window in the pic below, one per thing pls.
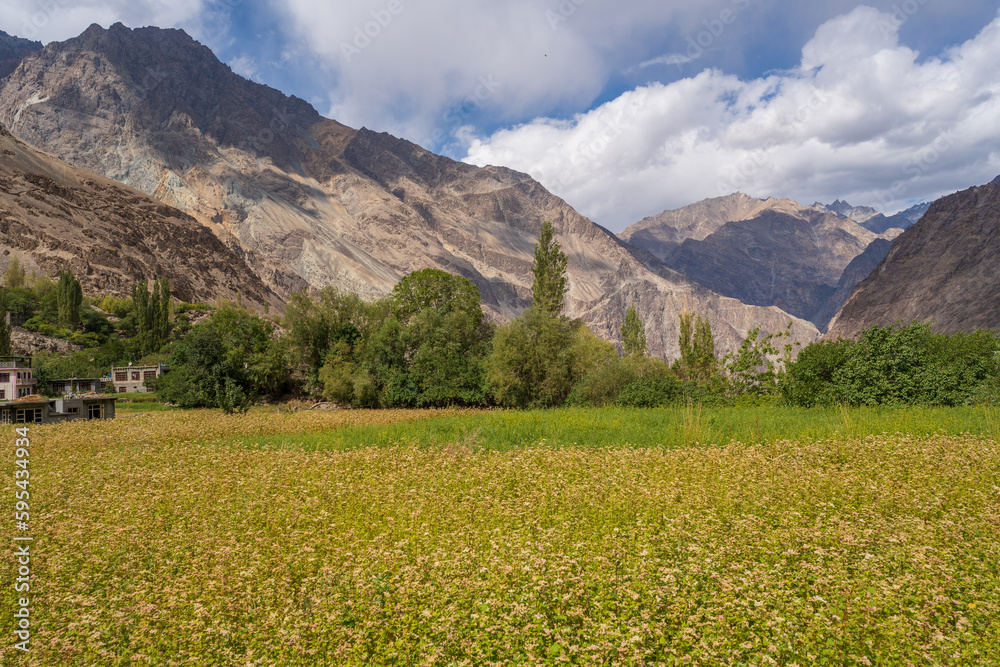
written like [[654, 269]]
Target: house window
[[28, 416], [121, 390], [148, 374], [3, 394], [135, 376], [95, 411], [73, 411], [4, 416], [121, 376], [4, 377]]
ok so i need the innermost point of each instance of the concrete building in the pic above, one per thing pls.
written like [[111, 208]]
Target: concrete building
[[131, 379], [35, 409], [16, 378], [76, 386]]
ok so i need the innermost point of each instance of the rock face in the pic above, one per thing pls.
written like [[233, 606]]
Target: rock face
[[30, 343], [308, 200], [54, 216], [763, 252], [902, 220], [944, 269], [859, 269], [859, 214], [13, 50]]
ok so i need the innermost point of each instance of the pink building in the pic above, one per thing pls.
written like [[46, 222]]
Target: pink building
[[16, 378]]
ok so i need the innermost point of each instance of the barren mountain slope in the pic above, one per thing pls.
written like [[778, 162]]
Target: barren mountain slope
[[310, 199], [54, 216], [944, 269], [761, 251], [12, 52]]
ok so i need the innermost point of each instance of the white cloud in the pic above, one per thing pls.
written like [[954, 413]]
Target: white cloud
[[862, 118], [416, 68], [58, 20], [245, 66]]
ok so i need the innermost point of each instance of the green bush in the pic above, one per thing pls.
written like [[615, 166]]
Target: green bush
[[604, 385], [809, 380], [896, 365]]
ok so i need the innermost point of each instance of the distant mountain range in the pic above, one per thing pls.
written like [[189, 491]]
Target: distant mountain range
[[872, 220], [767, 252], [307, 200]]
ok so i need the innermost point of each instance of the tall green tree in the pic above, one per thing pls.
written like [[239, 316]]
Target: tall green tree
[[163, 325], [633, 334], [550, 285], [5, 343], [140, 306], [69, 297], [697, 344], [14, 277], [316, 323], [437, 290]]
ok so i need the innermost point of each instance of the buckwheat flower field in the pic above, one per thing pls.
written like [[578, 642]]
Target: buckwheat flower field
[[184, 538]]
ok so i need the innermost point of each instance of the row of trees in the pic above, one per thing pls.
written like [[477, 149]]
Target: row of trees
[[428, 344]]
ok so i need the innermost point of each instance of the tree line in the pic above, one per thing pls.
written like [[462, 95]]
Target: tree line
[[428, 344]]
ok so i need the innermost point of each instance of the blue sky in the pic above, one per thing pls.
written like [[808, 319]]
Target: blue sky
[[627, 108]]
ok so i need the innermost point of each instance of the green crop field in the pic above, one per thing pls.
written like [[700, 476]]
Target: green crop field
[[756, 536]]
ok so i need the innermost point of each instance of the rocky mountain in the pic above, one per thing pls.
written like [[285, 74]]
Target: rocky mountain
[[903, 220], [54, 216], [13, 50], [859, 269], [662, 234], [859, 214], [308, 200], [767, 252], [944, 269]]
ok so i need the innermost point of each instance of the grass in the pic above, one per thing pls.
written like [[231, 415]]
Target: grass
[[159, 542], [669, 427]]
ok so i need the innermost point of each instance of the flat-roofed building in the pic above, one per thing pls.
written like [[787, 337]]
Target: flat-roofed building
[[132, 379], [75, 386], [36, 409], [17, 379]]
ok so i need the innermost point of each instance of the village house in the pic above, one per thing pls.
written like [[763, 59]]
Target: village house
[[75, 386], [16, 378], [35, 409], [131, 379]]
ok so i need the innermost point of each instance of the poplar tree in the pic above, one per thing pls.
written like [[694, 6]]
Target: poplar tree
[[550, 285], [163, 325], [5, 343], [69, 297], [697, 347], [140, 306], [633, 334]]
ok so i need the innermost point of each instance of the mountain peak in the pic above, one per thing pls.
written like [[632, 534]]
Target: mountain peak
[[996, 181], [858, 214], [156, 78], [13, 50]]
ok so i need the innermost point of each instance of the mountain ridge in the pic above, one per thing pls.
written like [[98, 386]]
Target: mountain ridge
[[942, 270], [762, 251], [54, 216], [309, 199]]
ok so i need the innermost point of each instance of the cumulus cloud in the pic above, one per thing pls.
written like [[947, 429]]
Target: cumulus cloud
[[863, 118], [420, 69]]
